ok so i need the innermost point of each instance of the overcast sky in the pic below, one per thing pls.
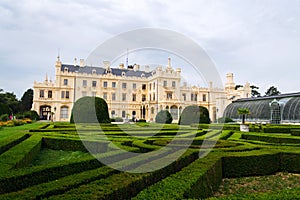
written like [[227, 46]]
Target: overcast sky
[[259, 41]]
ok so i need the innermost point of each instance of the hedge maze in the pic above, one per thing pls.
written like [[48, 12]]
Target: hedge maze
[[51, 161]]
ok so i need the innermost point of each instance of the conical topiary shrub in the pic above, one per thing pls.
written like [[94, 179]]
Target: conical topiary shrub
[[163, 117], [90, 110], [194, 115]]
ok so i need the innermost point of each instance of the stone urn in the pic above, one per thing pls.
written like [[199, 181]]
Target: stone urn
[[244, 127]]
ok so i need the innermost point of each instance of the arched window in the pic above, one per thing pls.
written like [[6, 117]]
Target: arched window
[[64, 112], [174, 112], [113, 113], [152, 110], [275, 112]]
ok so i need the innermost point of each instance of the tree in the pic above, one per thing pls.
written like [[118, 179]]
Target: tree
[[9, 103], [243, 112], [272, 91], [254, 92], [90, 110], [237, 87], [194, 114], [163, 117], [27, 100]]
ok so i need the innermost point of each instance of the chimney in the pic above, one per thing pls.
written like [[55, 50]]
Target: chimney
[[81, 63], [136, 67], [75, 61], [121, 66], [106, 64], [147, 68]]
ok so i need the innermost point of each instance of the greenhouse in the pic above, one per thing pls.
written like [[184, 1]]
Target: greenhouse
[[277, 109]]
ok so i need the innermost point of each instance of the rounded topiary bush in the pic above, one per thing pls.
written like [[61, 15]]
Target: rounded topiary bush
[[32, 114], [163, 117], [90, 110], [194, 115]]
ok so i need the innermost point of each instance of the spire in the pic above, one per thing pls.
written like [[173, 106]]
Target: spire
[[46, 78], [169, 62], [58, 62], [126, 58]]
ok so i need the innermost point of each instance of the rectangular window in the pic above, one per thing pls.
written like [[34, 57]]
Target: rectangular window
[[123, 96], [105, 84], [123, 113], [169, 95], [133, 97], [204, 97], [63, 94], [105, 95], [42, 93], [124, 85], [192, 97], [143, 97], [113, 84], [50, 94], [144, 87], [153, 96], [184, 97], [195, 97], [94, 83], [173, 84], [65, 81], [134, 86], [154, 86], [165, 83], [150, 86], [84, 83], [113, 96], [67, 94]]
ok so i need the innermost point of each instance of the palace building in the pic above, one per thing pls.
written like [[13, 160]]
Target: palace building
[[129, 91]]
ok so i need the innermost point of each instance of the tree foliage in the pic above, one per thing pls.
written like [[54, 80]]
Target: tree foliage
[[27, 100], [194, 114], [90, 110], [9, 103], [237, 87], [243, 112], [254, 91], [163, 117], [272, 91]]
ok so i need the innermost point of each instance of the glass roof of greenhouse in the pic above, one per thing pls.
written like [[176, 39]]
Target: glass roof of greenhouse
[[260, 109]]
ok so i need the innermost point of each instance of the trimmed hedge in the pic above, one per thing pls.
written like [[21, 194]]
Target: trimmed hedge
[[290, 162], [125, 185], [198, 180], [250, 165], [295, 132], [270, 138], [22, 154], [277, 129], [90, 110], [12, 141], [61, 185], [24, 178], [74, 145]]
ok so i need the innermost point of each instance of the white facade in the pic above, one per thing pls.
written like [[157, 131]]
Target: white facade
[[129, 92]]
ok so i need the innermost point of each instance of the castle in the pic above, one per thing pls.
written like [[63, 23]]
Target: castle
[[129, 91]]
